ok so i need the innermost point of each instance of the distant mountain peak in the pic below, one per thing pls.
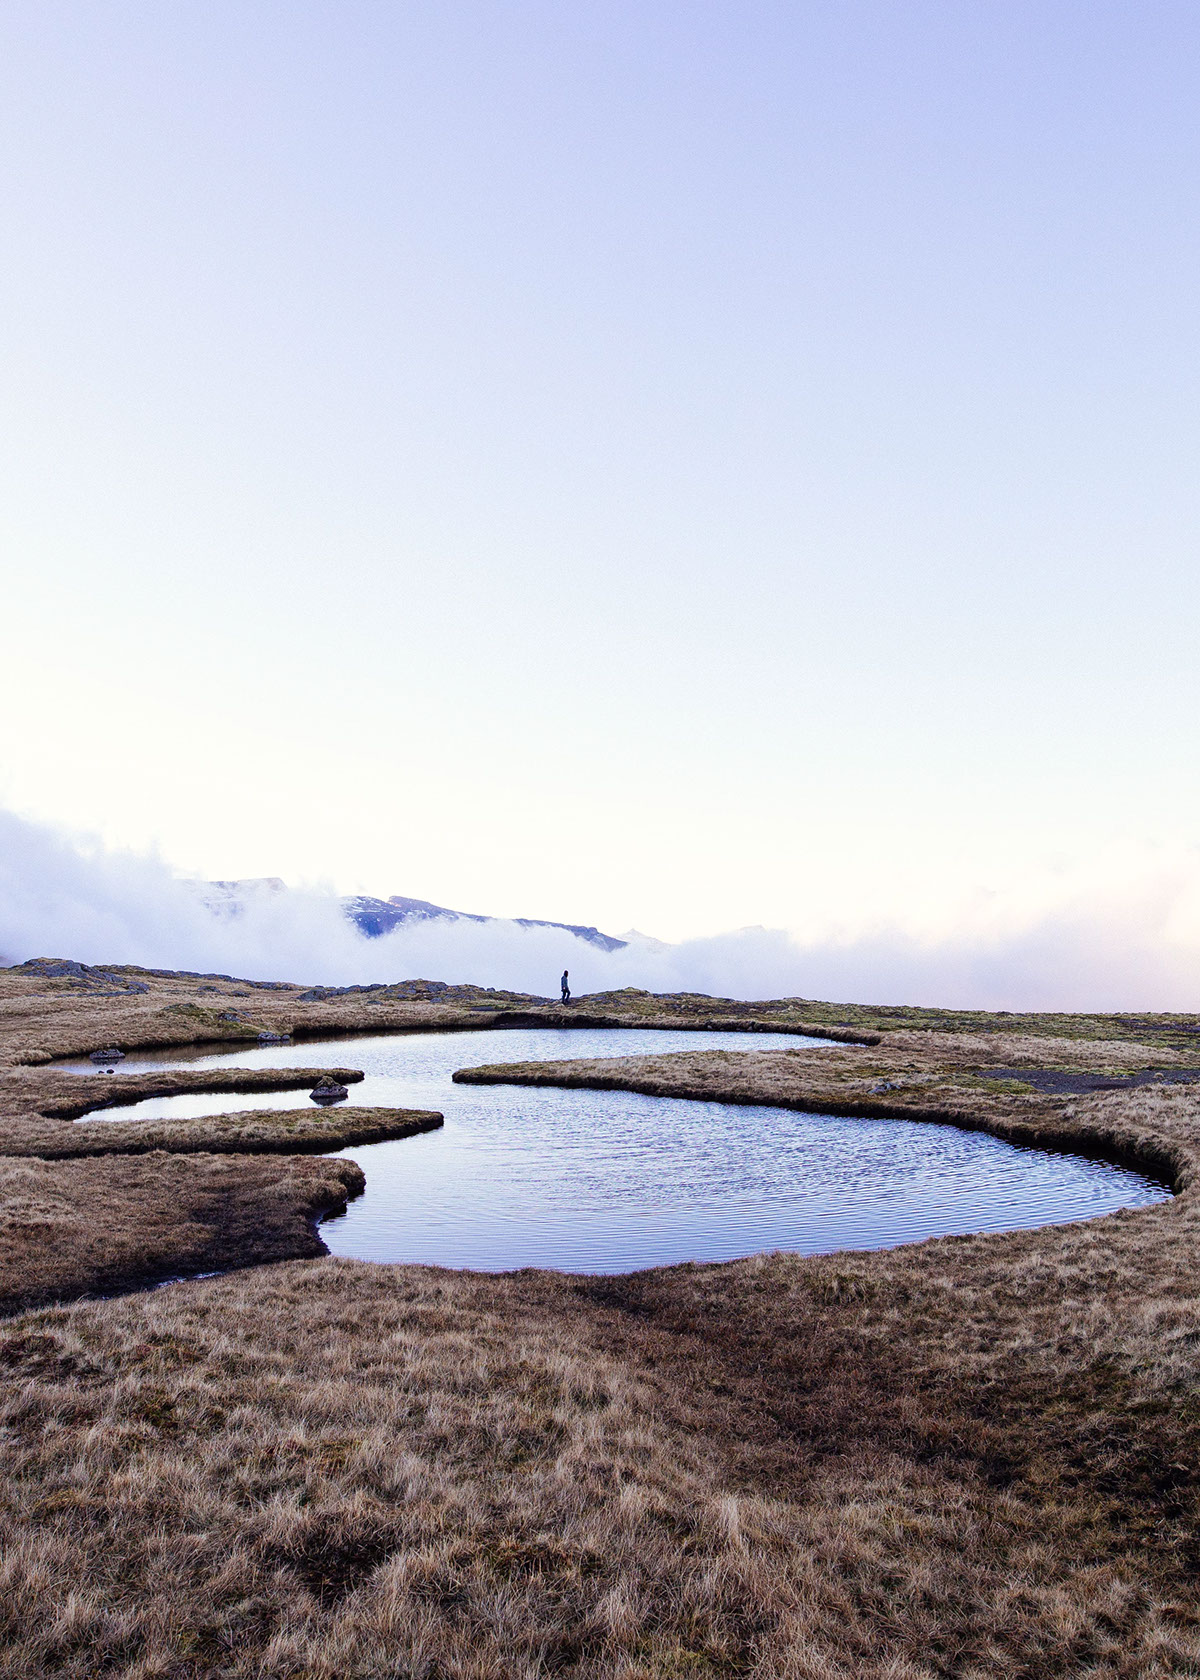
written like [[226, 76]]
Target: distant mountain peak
[[377, 916]]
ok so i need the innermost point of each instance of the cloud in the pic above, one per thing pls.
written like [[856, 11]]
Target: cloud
[[1113, 946]]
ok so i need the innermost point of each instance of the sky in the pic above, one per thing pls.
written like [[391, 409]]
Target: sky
[[672, 466]]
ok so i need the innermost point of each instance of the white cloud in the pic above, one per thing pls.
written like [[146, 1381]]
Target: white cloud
[[1103, 946]]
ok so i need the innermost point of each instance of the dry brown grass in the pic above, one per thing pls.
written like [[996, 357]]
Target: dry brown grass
[[37, 1106], [65, 1096], [969, 1458], [95, 1225], [42, 1018], [285, 1131], [342, 1472], [44, 1015], [70, 1228]]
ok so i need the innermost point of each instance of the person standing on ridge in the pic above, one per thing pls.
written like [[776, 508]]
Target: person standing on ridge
[[566, 990]]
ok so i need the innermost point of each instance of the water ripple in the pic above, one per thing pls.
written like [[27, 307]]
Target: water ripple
[[612, 1181]]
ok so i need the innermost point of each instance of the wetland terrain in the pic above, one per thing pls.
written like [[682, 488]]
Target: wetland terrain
[[971, 1456]]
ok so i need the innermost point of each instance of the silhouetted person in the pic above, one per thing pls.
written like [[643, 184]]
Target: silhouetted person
[[566, 990]]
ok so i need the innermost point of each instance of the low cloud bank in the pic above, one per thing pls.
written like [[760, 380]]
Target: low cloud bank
[[60, 896]]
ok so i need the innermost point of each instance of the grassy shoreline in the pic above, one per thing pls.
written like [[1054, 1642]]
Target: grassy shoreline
[[972, 1457], [938, 1080]]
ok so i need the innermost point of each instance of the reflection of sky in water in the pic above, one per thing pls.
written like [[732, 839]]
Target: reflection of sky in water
[[610, 1181]]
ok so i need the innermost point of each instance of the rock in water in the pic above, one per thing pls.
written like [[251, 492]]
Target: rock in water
[[329, 1091], [113, 1055]]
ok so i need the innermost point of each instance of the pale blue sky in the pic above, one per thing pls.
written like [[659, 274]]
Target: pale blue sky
[[681, 465]]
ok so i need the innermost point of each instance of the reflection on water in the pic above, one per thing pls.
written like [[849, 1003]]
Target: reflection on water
[[609, 1181]]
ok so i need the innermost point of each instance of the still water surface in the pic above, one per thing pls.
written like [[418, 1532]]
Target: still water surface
[[610, 1181]]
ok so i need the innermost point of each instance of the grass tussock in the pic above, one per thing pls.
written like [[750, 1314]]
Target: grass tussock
[[331, 1471], [286, 1131], [70, 1228]]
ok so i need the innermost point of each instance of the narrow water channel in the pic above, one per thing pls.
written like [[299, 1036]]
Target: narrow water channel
[[610, 1181]]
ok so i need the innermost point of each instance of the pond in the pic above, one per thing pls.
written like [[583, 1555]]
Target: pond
[[611, 1181]]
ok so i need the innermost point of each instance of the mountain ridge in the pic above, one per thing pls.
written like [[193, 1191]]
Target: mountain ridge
[[375, 917]]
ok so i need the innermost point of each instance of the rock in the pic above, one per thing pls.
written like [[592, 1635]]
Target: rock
[[329, 1091]]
